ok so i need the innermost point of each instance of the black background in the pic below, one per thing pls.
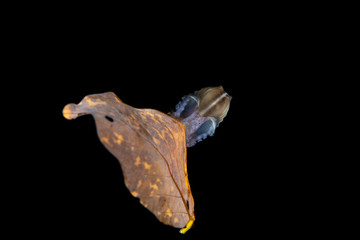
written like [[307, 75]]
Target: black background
[[253, 178], [246, 180]]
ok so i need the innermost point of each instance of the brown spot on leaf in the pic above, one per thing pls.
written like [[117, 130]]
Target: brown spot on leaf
[[118, 138], [135, 194], [168, 213], [105, 140], [93, 102], [147, 166], [153, 186], [137, 161]]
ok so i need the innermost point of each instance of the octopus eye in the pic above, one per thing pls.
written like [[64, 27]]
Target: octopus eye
[[189, 108], [207, 128]]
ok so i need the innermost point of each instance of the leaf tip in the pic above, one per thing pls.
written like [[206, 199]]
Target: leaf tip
[[187, 227]]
